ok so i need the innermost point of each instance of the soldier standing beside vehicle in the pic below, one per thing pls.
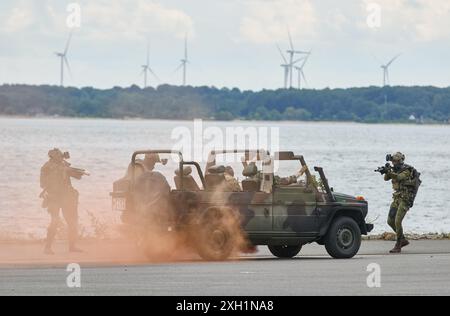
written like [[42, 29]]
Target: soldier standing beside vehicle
[[405, 182], [58, 194]]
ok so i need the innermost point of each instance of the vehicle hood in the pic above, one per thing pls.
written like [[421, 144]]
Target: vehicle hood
[[345, 198]]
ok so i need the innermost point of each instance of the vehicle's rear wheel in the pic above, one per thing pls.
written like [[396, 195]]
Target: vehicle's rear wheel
[[216, 234], [343, 239], [285, 251]]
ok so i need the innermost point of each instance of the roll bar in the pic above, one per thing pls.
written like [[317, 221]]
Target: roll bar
[[182, 163]]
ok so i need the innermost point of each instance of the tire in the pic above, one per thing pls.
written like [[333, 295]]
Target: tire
[[215, 236], [343, 239], [285, 252]]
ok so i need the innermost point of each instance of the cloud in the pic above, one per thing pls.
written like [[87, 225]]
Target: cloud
[[267, 21], [17, 20], [416, 21], [135, 19], [101, 19]]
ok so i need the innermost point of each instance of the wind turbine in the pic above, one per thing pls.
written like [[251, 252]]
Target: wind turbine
[[386, 70], [292, 52], [301, 73], [286, 66], [184, 61], [63, 57], [146, 69]]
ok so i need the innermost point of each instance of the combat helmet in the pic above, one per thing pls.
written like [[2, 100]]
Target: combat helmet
[[55, 153], [398, 158]]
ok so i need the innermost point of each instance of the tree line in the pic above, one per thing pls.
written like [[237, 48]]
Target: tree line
[[371, 104]]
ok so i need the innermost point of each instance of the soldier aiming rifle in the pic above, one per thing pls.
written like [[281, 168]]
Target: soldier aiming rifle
[[59, 194], [405, 182]]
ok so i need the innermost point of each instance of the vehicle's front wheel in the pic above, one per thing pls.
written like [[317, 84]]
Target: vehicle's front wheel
[[343, 239], [285, 252]]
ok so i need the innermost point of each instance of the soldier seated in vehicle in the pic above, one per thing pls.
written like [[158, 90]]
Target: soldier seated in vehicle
[[231, 181], [292, 180], [252, 182], [143, 165], [215, 178]]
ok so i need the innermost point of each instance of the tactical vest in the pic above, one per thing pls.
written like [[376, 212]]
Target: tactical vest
[[411, 185], [54, 178]]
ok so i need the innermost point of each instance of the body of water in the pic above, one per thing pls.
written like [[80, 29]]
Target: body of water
[[348, 152]]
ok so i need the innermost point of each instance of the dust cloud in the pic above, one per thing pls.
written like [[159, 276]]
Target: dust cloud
[[104, 239]]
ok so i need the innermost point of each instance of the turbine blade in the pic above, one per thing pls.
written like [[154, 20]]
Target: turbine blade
[[178, 68], [68, 43], [290, 40], [393, 59], [304, 77], [282, 55], [306, 60], [153, 73], [298, 60], [68, 66]]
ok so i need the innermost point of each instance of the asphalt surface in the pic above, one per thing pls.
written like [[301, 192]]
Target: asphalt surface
[[423, 269]]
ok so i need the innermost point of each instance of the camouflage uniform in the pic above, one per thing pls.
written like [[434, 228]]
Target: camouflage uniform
[[59, 195], [232, 184], [285, 180], [400, 176], [401, 200]]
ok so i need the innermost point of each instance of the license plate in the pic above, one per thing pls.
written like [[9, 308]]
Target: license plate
[[119, 204]]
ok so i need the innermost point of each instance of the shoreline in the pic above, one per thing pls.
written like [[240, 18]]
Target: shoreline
[[131, 119], [387, 236]]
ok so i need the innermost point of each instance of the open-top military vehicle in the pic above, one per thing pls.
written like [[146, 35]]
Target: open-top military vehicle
[[269, 210]]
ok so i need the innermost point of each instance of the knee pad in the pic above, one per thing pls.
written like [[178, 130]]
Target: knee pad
[[392, 213]]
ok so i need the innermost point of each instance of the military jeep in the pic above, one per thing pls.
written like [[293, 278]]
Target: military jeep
[[268, 210]]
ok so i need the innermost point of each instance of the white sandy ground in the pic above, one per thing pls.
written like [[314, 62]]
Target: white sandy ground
[[116, 268]]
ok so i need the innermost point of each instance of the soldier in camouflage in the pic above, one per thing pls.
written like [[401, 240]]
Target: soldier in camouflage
[[58, 194], [400, 175], [232, 184]]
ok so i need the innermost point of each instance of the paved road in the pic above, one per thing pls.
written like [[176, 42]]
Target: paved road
[[423, 269]]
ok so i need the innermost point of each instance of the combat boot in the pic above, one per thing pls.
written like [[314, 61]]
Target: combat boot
[[404, 242], [397, 248]]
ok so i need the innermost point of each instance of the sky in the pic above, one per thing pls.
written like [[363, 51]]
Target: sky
[[231, 43]]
